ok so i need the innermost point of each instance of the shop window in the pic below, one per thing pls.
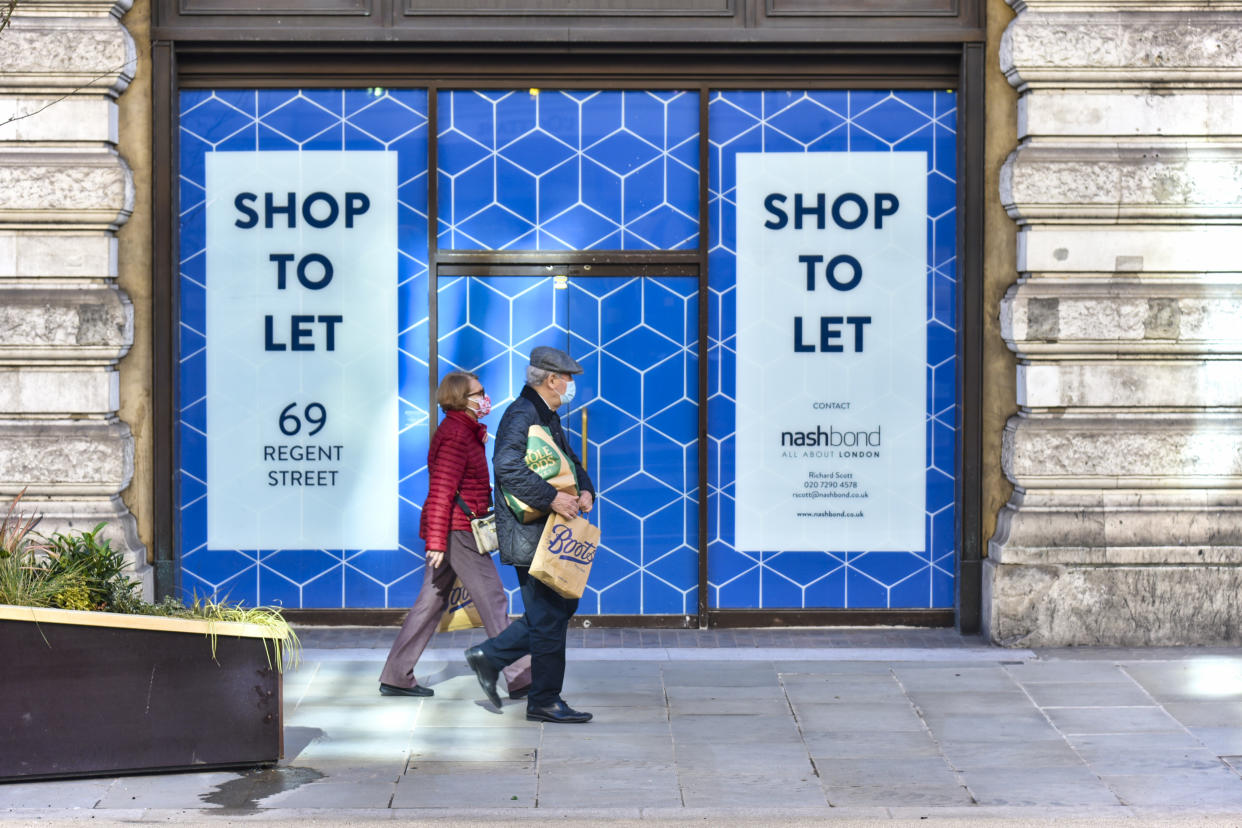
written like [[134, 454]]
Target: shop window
[[826, 570]]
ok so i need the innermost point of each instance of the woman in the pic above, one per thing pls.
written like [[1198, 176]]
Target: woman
[[456, 464]]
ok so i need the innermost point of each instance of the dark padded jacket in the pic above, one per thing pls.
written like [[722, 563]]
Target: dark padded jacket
[[456, 461], [518, 540]]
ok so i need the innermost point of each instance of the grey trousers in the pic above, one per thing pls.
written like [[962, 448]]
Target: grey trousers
[[478, 575]]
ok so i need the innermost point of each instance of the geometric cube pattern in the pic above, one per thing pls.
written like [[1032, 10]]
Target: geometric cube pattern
[[568, 170], [636, 339], [834, 122], [305, 121], [578, 170]]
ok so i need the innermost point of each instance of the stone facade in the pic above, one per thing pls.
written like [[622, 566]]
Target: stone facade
[[1125, 526], [64, 324]]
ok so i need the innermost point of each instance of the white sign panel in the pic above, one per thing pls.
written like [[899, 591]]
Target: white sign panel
[[831, 351], [301, 350]]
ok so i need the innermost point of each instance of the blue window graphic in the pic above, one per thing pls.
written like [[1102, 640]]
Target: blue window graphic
[[566, 170]]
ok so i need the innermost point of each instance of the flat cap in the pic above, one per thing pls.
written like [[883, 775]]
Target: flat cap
[[554, 359]]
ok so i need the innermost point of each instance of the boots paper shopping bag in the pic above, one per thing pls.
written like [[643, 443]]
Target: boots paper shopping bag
[[564, 556], [461, 613]]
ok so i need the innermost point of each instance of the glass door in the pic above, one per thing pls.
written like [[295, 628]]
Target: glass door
[[634, 420]]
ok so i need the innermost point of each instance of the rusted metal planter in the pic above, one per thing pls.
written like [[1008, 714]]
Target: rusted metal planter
[[91, 693]]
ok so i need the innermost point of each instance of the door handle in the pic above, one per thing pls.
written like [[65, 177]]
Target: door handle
[[584, 438]]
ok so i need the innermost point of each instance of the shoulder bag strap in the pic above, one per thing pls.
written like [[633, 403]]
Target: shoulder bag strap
[[462, 504]]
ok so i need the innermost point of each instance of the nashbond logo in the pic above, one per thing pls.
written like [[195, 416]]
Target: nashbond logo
[[459, 598], [832, 437], [565, 546]]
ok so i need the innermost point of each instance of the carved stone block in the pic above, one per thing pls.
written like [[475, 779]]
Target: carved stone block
[[65, 459], [87, 324]]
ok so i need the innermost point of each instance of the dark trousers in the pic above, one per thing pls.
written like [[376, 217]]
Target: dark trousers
[[541, 633], [478, 575]]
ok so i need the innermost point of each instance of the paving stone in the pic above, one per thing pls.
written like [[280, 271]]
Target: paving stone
[[1178, 740], [607, 785], [1223, 741], [931, 796], [465, 744], [1194, 679], [713, 674], [1044, 753], [375, 749], [1108, 761], [855, 669], [656, 749], [351, 771], [1037, 786], [610, 715], [749, 692], [377, 795], [376, 717], [165, 790], [804, 689], [740, 730], [843, 718], [896, 744], [855, 772], [1180, 789], [954, 679], [1081, 694], [750, 790], [1207, 713], [1112, 719], [788, 758], [1067, 672], [940, 703], [709, 704], [1009, 727], [480, 784]]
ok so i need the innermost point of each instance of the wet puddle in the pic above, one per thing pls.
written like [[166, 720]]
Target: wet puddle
[[242, 795]]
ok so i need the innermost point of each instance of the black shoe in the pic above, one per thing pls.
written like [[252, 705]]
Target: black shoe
[[416, 690], [520, 693], [558, 713], [485, 672]]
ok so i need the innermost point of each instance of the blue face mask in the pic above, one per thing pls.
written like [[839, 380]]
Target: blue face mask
[[568, 395]]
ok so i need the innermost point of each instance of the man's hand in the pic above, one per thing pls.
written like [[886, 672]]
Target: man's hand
[[585, 501], [565, 505], [435, 557]]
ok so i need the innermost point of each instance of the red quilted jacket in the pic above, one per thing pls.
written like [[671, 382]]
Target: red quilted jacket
[[455, 461]]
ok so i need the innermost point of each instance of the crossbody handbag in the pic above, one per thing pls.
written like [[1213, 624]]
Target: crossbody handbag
[[483, 527]]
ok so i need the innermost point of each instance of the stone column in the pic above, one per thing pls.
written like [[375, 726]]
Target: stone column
[[64, 325], [1125, 526]]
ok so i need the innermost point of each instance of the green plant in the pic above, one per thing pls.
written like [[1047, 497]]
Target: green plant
[[282, 645], [26, 579], [102, 569]]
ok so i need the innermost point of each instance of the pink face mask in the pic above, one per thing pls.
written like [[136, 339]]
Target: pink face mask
[[485, 405]]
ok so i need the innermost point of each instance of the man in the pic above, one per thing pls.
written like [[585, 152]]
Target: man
[[541, 631]]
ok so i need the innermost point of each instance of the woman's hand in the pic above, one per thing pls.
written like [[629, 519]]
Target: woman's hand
[[565, 505], [435, 557], [585, 501]]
